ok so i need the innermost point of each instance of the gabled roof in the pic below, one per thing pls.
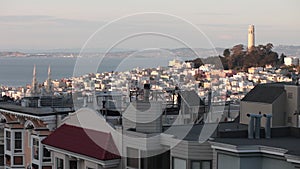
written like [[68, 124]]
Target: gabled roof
[[191, 98], [264, 93], [87, 142]]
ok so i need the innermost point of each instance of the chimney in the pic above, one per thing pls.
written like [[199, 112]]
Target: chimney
[[257, 125], [84, 101], [209, 100], [268, 125], [146, 92], [251, 126], [39, 102]]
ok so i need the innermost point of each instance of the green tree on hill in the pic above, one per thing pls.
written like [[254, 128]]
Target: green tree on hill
[[238, 58]]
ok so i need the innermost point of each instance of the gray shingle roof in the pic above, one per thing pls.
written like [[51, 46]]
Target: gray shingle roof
[[264, 93], [191, 98]]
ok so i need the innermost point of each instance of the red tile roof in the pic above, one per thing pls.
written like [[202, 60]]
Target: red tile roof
[[83, 141]]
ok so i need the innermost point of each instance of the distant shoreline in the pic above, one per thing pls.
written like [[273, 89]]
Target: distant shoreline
[[292, 50]]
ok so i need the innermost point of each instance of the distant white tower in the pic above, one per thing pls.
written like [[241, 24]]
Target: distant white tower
[[251, 37], [34, 85], [48, 82]]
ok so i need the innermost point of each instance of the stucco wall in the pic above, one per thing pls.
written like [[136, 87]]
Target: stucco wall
[[292, 104], [254, 108], [269, 163], [277, 109], [226, 161]]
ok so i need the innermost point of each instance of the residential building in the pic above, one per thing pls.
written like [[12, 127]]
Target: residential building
[[23, 129], [174, 146], [76, 147], [234, 150], [289, 61], [279, 99]]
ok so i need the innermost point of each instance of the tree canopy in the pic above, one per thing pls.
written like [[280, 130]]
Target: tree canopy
[[240, 59]]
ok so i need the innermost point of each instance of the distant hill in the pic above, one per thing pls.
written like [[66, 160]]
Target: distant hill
[[184, 53], [180, 52], [197, 52], [13, 54], [287, 50]]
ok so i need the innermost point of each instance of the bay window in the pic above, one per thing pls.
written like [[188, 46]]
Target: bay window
[[18, 142], [179, 163], [8, 140], [201, 165], [59, 163], [46, 155], [35, 148]]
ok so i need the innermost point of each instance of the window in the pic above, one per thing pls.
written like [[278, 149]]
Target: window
[[206, 165], [201, 165], [35, 148], [34, 166], [132, 158], [73, 164], [18, 160], [159, 161], [179, 163], [46, 155], [196, 164], [59, 163], [18, 142], [1, 157], [8, 144], [7, 160]]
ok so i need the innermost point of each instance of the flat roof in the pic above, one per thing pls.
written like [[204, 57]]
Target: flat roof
[[288, 143], [35, 111], [192, 132], [287, 138]]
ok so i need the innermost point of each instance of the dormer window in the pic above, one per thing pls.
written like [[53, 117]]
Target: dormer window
[[29, 126]]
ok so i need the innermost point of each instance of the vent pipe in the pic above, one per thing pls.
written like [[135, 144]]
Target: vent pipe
[[146, 92], [268, 125], [251, 126], [254, 125], [257, 125]]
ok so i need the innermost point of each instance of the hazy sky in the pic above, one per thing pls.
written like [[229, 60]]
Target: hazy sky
[[36, 24]]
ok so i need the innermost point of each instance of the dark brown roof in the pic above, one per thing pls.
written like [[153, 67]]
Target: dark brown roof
[[83, 141]]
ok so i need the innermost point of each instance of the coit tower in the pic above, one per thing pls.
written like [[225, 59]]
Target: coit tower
[[251, 37]]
